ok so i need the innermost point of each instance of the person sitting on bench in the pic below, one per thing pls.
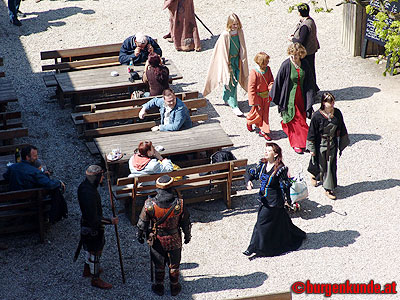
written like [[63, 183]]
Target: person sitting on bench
[[174, 113], [25, 175], [137, 48]]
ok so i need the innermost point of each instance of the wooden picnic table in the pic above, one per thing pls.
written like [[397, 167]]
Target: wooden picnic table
[[7, 93], [92, 81], [205, 137], [4, 159]]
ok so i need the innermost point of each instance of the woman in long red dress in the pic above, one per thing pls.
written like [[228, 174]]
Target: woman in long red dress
[[260, 84], [293, 93]]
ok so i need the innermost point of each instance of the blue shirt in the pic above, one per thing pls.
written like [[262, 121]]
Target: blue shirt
[[179, 117], [23, 176]]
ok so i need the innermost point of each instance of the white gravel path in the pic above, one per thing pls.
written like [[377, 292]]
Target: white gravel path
[[355, 237]]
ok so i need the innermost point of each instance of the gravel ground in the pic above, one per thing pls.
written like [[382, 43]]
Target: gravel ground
[[354, 237]]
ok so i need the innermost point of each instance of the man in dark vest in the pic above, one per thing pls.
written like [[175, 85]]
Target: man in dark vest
[[92, 225], [166, 215], [306, 34]]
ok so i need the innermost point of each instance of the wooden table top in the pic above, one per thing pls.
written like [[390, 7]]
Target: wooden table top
[[101, 79], [202, 137], [7, 92], [4, 160]]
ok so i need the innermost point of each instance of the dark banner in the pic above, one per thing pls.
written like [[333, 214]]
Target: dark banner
[[370, 28]]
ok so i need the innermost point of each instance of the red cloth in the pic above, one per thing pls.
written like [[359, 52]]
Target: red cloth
[[140, 162], [259, 83], [297, 129]]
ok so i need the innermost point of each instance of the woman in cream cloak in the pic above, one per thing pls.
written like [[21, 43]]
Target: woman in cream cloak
[[228, 64]]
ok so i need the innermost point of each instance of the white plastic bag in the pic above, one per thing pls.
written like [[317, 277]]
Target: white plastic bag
[[298, 190]]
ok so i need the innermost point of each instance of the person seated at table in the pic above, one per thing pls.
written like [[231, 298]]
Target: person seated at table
[[138, 47], [25, 175], [156, 75], [146, 160], [174, 113]]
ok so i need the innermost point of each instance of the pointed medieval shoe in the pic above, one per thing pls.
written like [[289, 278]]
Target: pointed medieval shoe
[[175, 289], [158, 289], [167, 36], [250, 128], [330, 194], [98, 282], [313, 181], [298, 150], [237, 111], [265, 135], [247, 253]]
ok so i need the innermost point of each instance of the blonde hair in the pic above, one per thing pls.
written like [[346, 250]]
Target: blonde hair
[[297, 48], [231, 19], [261, 59]]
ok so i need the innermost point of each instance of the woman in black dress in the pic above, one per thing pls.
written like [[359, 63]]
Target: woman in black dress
[[274, 232], [327, 134]]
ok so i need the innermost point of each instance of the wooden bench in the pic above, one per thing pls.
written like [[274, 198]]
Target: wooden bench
[[115, 102], [22, 204], [94, 124], [129, 188], [10, 120], [7, 136]]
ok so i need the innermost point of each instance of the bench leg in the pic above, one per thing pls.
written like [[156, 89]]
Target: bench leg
[[61, 100], [41, 218]]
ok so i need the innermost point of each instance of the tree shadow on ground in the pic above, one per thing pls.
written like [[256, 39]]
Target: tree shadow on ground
[[210, 283], [356, 137], [36, 22], [330, 238], [353, 189], [352, 93], [209, 43]]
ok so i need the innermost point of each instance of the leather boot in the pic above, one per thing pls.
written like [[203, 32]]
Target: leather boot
[[158, 289], [175, 289], [98, 282], [86, 271]]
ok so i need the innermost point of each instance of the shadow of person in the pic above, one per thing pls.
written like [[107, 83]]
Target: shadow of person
[[188, 266], [41, 21], [356, 137], [353, 92], [211, 283], [209, 43], [311, 210], [330, 238], [365, 186]]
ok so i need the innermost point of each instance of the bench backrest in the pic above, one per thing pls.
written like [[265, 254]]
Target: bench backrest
[[227, 171], [95, 106], [103, 116], [82, 58], [10, 120]]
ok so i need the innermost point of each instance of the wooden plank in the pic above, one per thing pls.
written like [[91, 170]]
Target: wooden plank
[[195, 139], [198, 118], [82, 63], [50, 80], [187, 171], [119, 114], [13, 133], [11, 148], [92, 50], [92, 148], [130, 102], [121, 129]]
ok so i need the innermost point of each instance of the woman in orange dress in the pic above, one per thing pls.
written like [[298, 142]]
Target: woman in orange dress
[[261, 81]]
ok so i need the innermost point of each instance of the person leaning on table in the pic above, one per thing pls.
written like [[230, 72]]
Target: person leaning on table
[[174, 113]]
